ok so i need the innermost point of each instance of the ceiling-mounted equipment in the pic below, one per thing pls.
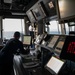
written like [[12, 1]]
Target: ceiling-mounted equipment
[[7, 1]]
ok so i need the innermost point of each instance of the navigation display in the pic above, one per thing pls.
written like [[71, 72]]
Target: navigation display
[[53, 41], [54, 65], [59, 47], [26, 40]]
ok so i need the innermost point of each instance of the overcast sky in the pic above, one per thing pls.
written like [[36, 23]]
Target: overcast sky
[[13, 24]]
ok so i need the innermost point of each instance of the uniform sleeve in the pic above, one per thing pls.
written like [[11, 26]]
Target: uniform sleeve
[[22, 50]]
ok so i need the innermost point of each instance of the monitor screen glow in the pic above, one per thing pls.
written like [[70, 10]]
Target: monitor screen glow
[[55, 64], [60, 44], [27, 40], [53, 41], [59, 47]]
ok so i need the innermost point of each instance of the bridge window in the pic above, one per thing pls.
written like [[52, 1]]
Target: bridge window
[[53, 28], [12, 25]]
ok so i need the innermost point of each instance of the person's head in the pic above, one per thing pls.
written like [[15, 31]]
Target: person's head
[[17, 35]]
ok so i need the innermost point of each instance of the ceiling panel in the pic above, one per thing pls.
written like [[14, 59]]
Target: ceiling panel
[[17, 6]]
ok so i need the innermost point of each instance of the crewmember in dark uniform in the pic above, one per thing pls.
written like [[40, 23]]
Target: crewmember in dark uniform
[[7, 54]]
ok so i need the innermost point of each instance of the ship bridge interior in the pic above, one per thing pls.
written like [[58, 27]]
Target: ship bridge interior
[[14, 7], [48, 38]]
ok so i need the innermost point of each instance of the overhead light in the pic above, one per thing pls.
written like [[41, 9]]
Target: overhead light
[[18, 14], [7, 1]]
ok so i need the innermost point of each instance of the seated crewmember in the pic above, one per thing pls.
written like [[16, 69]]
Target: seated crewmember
[[7, 54]]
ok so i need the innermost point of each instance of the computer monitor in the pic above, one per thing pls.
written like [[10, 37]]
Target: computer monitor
[[39, 11], [27, 40], [1, 41], [30, 16], [53, 41], [68, 50], [54, 65], [59, 47], [65, 9]]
